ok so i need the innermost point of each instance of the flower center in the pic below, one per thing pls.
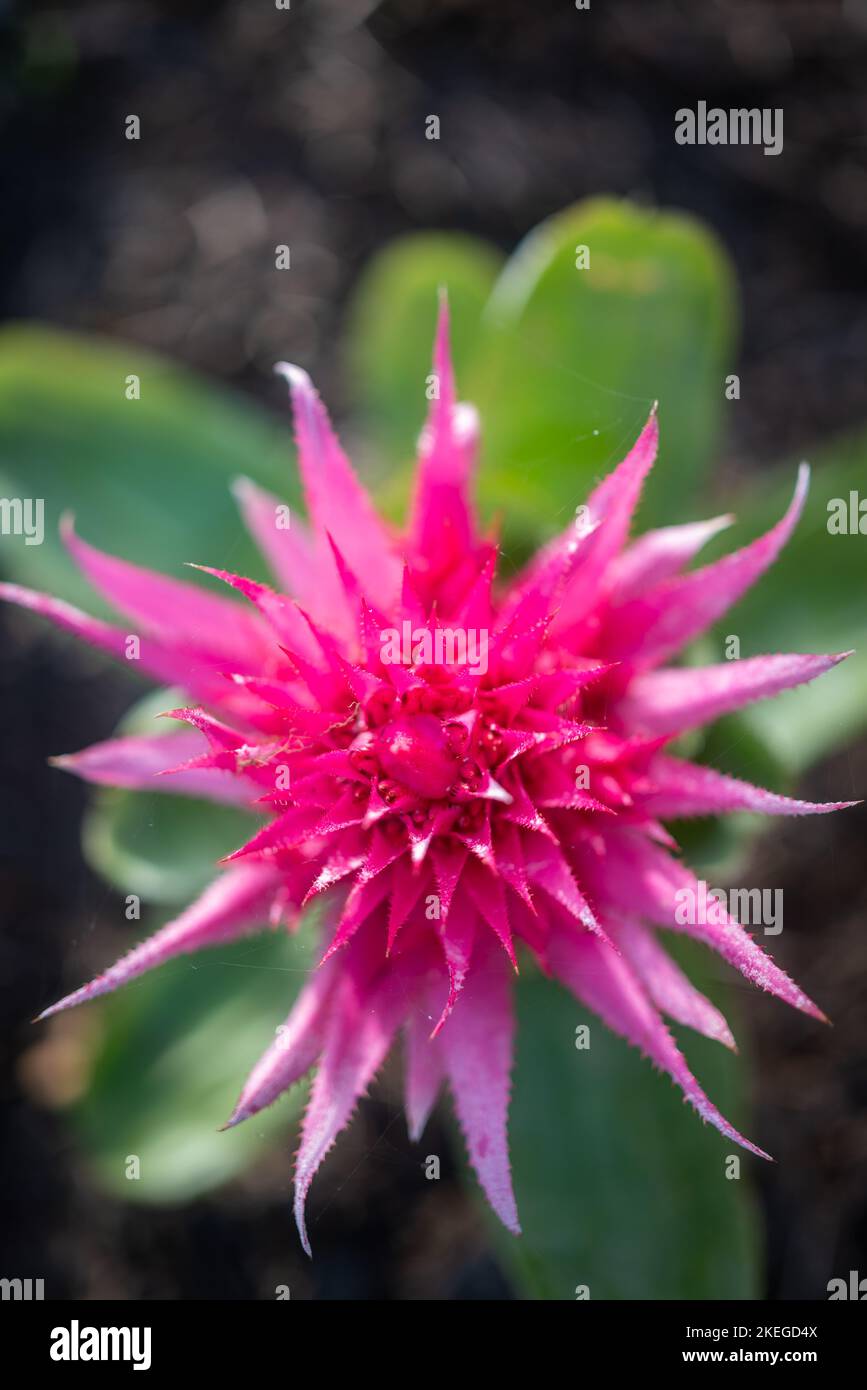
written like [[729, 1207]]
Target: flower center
[[415, 751]]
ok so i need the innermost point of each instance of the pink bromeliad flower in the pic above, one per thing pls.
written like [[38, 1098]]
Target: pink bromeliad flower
[[460, 772]]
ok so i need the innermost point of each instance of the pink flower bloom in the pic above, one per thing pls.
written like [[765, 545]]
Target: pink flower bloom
[[455, 770]]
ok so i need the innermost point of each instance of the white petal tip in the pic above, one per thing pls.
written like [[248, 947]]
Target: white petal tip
[[465, 420], [494, 792], [53, 1009], [296, 376], [302, 1232]]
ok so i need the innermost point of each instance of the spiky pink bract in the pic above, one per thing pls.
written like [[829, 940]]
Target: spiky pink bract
[[445, 813]]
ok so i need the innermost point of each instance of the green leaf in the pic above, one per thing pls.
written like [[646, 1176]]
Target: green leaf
[[173, 1052], [164, 848], [619, 1185], [147, 479], [572, 360]]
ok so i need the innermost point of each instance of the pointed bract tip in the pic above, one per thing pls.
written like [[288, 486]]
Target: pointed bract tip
[[331, 951], [806, 1006], [302, 1228], [181, 714], [443, 1018], [238, 1115], [297, 378], [759, 1153], [50, 1011]]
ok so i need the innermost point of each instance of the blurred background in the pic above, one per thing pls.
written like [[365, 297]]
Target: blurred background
[[262, 127]]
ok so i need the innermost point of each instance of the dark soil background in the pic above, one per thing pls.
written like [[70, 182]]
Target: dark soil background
[[308, 126]]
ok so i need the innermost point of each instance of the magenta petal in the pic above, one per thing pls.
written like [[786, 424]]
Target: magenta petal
[[670, 701], [362, 1027], [442, 528], [649, 629], [290, 551], [548, 869], [613, 502], [407, 886], [606, 983], [423, 1073], [458, 933], [293, 1052], [610, 510], [335, 499], [364, 898], [168, 664], [477, 1050], [643, 880], [660, 554], [170, 609], [286, 622], [136, 762], [486, 889], [667, 985], [579, 559], [682, 789], [235, 903]]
